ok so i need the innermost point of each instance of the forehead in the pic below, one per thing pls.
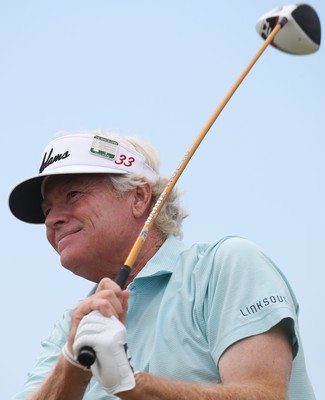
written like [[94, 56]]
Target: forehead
[[61, 182]]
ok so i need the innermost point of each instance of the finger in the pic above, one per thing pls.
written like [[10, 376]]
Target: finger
[[107, 283], [113, 301]]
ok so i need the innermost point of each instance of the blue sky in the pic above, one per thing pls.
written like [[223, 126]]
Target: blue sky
[[158, 70]]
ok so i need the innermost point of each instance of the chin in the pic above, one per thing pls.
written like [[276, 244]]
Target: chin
[[79, 271]]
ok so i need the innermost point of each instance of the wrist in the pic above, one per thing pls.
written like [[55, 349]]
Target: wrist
[[138, 391], [65, 371]]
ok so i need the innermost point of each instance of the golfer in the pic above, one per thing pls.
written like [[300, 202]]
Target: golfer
[[210, 321]]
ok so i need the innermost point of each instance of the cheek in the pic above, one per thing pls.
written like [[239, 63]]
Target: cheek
[[113, 215], [109, 228]]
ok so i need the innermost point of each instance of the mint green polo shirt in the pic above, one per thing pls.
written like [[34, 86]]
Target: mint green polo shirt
[[187, 306]]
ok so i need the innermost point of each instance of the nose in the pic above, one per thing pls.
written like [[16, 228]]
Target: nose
[[56, 216]]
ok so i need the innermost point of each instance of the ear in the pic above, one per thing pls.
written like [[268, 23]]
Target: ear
[[142, 200]]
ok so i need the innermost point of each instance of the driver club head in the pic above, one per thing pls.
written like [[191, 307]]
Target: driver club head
[[300, 35]]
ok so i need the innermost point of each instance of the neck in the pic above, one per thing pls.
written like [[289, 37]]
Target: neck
[[149, 248]]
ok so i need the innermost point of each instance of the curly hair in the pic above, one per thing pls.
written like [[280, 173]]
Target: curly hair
[[170, 218]]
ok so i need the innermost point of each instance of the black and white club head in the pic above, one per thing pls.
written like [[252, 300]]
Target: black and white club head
[[300, 35]]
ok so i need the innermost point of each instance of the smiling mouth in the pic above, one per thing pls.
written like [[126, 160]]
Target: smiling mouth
[[63, 237]]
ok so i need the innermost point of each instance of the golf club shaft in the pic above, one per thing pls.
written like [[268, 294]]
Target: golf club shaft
[[124, 272], [87, 356]]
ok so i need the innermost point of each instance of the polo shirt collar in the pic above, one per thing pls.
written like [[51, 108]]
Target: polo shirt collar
[[163, 262]]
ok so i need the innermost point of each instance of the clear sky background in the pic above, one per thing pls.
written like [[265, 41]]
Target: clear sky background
[[158, 69]]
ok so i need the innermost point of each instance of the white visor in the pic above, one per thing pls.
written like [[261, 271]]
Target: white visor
[[76, 154]]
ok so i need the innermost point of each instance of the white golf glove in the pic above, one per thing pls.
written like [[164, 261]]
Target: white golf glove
[[107, 336]]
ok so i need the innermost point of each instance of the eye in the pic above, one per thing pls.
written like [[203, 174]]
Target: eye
[[46, 209], [73, 194], [46, 212]]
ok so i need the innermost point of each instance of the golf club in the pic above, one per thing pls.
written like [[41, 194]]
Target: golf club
[[300, 34]]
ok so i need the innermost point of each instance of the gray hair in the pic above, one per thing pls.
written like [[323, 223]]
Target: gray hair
[[170, 218]]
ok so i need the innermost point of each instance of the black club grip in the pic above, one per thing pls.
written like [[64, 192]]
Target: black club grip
[[87, 356]]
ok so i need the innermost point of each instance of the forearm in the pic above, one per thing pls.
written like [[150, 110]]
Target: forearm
[[152, 387], [65, 382]]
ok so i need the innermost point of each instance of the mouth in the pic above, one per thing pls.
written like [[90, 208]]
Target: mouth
[[63, 237]]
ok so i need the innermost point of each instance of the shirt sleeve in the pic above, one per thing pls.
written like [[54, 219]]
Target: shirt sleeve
[[47, 358], [245, 295]]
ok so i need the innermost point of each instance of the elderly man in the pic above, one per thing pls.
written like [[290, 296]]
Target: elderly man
[[212, 321]]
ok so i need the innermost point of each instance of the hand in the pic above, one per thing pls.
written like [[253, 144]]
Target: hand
[[109, 299], [107, 336]]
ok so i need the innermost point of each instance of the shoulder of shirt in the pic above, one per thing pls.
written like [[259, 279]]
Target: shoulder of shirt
[[230, 242]]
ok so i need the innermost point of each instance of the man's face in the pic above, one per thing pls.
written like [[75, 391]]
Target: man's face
[[88, 224]]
